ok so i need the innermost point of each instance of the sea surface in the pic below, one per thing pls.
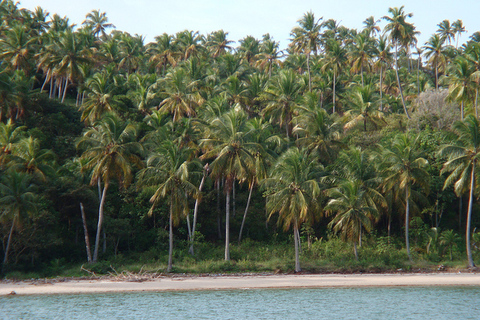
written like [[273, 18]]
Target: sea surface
[[453, 303]]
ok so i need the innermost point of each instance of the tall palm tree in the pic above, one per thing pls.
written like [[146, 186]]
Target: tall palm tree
[[462, 162], [292, 191], [111, 151], [10, 135], [167, 174], [17, 201], [462, 84], [361, 54], [353, 212], [384, 59], [436, 54], [335, 59], [217, 43], [98, 21], [398, 30], [16, 49], [371, 27], [229, 144], [458, 28], [163, 52], [404, 167], [269, 55], [445, 30], [306, 39]]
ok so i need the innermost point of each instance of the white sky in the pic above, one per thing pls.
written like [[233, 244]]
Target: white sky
[[256, 17]]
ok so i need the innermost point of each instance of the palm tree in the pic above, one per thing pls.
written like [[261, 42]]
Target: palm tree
[[229, 144], [361, 54], [462, 85], [98, 22], [353, 212], [458, 29], [110, 150], [17, 200], [363, 108], [445, 30], [180, 97], [249, 49], [217, 43], [101, 97], [283, 95], [16, 49], [269, 55], [335, 59], [292, 191], [318, 133], [167, 174], [306, 39], [371, 27], [399, 31], [449, 239], [10, 135], [462, 162], [405, 167], [436, 54], [163, 52], [384, 59]]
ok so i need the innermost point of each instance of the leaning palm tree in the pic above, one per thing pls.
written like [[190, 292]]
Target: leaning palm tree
[[404, 167], [353, 211], [111, 151], [398, 30], [167, 174], [17, 201], [292, 191], [462, 162]]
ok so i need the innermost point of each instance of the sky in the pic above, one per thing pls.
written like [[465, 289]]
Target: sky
[[241, 18]]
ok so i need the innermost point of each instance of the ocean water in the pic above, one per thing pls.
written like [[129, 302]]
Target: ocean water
[[453, 303]]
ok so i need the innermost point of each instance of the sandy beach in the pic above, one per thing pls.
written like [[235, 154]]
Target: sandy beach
[[223, 282]]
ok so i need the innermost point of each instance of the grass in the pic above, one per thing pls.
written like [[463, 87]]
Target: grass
[[332, 256]]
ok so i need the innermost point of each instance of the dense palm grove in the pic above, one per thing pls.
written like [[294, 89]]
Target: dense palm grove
[[348, 134]]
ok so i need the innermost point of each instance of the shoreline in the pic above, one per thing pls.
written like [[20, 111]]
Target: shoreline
[[234, 282]]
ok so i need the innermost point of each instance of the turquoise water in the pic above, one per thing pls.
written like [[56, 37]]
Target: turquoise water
[[332, 303]]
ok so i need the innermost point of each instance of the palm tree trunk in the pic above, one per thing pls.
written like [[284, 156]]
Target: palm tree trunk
[[309, 75], [245, 214], [463, 110], [334, 80], [195, 210], [355, 250], [100, 222], [65, 90], [85, 230], [170, 239], [9, 241], [476, 103], [381, 87], [297, 247], [227, 227], [361, 71], [407, 220], [469, 217], [399, 84]]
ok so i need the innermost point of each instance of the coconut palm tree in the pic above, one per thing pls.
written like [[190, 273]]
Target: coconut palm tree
[[462, 85], [217, 43], [446, 31], [167, 174], [283, 95], [10, 135], [269, 55], [306, 39], [363, 108], [292, 191], [16, 49], [458, 29], [361, 53], [180, 97], [384, 60], [111, 151], [353, 212], [17, 201], [98, 21], [163, 52], [334, 60], [436, 54], [462, 162], [449, 239], [404, 167], [399, 31], [228, 143]]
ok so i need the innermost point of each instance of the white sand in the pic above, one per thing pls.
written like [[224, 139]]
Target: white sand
[[242, 282]]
